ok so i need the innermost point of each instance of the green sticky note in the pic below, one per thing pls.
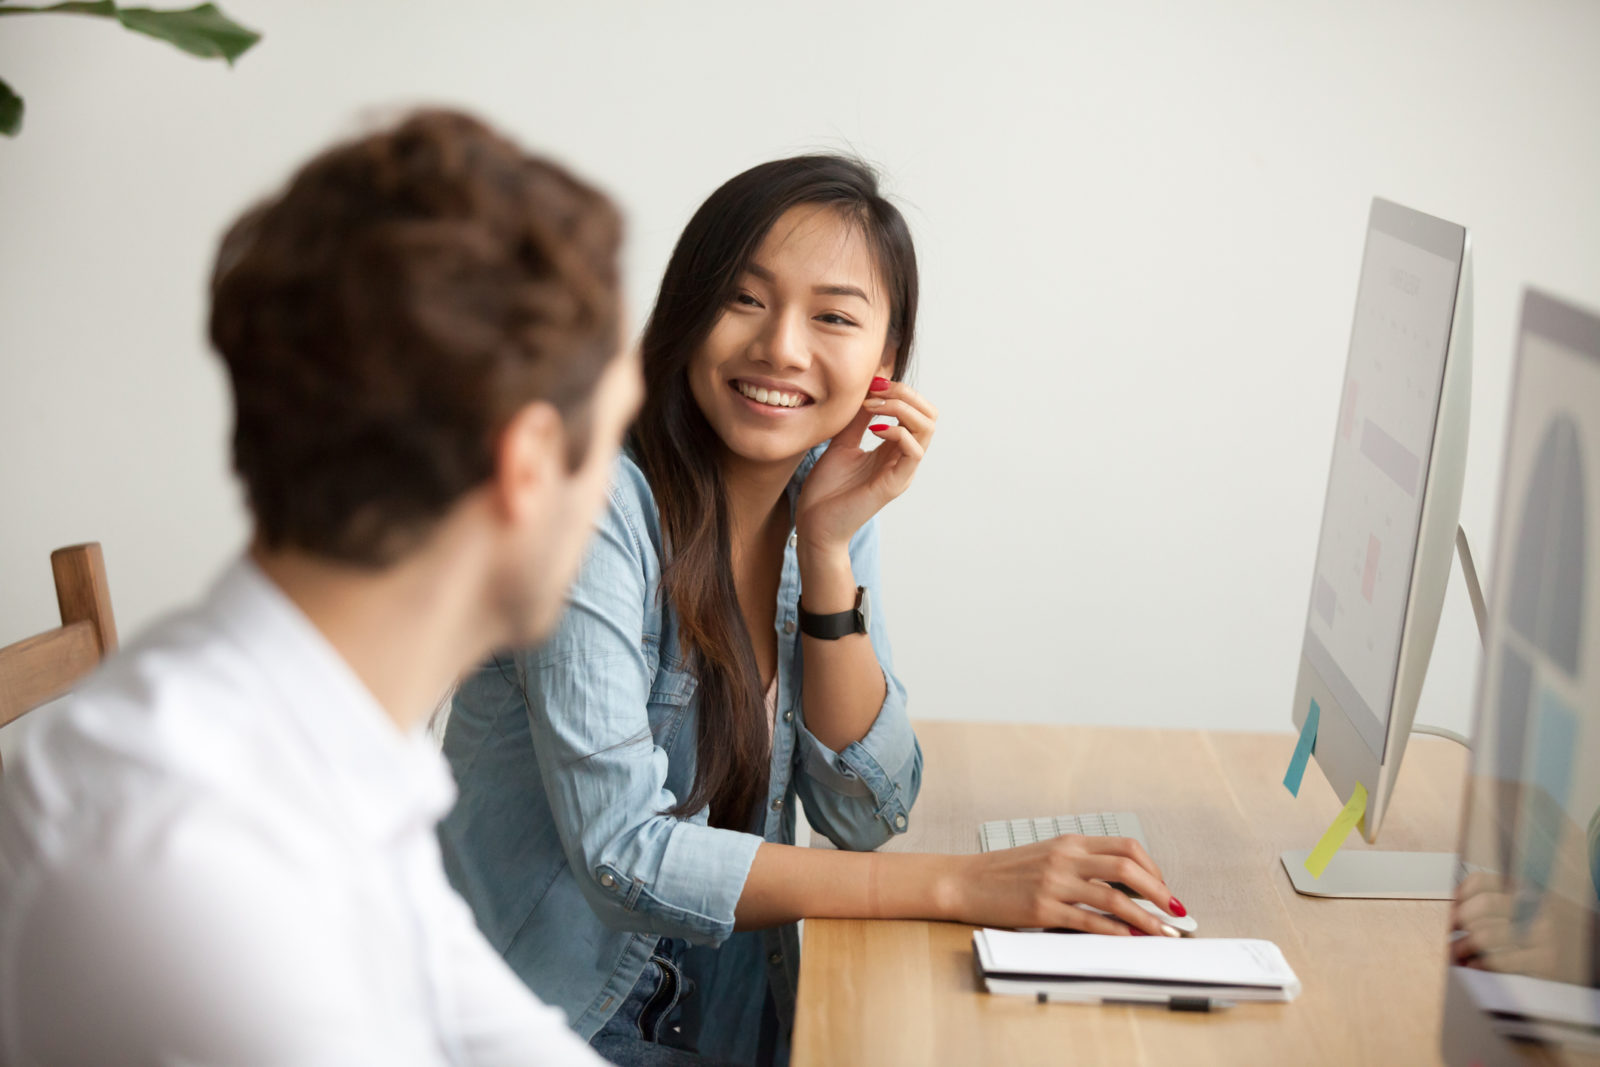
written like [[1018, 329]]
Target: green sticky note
[[1352, 813]]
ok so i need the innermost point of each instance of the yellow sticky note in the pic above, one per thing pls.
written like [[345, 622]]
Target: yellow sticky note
[[1354, 812]]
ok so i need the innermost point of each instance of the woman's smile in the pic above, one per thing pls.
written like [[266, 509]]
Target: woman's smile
[[769, 398]]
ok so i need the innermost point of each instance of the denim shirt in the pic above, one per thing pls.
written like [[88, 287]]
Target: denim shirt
[[567, 755]]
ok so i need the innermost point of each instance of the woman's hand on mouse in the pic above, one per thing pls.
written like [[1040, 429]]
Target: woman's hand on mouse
[[849, 485], [1044, 884]]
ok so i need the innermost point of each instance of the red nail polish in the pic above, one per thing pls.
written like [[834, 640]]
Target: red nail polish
[[875, 427], [880, 384], [1136, 932], [1176, 907]]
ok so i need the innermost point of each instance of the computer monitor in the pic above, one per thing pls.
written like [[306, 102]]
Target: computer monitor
[[1524, 980], [1389, 522]]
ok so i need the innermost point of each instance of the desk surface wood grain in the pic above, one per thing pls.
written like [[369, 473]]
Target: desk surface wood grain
[[1216, 816]]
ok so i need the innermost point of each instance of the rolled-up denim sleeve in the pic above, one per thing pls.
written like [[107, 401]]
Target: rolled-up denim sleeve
[[862, 796], [588, 691]]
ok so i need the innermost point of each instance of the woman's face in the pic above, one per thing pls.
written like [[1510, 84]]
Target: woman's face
[[790, 360]]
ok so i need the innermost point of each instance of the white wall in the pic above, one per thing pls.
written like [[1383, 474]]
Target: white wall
[[1140, 226]]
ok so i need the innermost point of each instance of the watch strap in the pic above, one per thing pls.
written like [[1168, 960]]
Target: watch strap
[[836, 625]]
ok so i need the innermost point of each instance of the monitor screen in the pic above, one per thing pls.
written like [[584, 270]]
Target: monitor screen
[[1373, 511], [1525, 937]]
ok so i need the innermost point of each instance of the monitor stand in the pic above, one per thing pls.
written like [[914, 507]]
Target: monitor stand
[[1379, 875]]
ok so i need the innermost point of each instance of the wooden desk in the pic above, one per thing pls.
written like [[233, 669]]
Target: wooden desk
[[1216, 816]]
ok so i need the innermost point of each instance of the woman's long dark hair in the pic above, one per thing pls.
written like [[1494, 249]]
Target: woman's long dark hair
[[679, 452]]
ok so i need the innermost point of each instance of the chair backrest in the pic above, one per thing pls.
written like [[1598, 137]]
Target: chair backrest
[[38, 669]]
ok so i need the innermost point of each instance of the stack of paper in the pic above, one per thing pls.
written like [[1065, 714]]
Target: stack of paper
[[1094, 967]]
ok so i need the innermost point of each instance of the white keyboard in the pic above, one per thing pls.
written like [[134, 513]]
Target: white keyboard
[[1008, 833]]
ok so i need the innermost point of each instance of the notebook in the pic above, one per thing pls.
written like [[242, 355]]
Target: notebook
[[1521, 1006], [1091, 967]]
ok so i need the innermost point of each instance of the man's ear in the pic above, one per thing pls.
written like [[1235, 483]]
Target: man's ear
[[530, 457]]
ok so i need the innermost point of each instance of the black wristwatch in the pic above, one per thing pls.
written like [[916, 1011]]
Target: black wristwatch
[[839, 624]]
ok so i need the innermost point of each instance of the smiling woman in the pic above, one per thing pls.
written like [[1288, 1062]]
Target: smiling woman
[[768, 289], [626, 823]]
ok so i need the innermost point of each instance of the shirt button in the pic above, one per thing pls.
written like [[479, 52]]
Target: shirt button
[[899, 822], [777, 805], [794, 539], [775, 959], [607, 880], [788, 626], [788, 716]]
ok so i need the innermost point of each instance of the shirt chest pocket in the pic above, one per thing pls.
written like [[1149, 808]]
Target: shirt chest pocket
[[671, 696]]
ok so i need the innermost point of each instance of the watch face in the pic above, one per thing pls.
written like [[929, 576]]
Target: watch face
[[863, 612]]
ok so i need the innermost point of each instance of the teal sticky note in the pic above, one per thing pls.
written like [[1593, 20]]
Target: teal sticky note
[[1302, 751]]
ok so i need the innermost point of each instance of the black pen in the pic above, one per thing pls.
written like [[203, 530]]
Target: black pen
[[1170, 1003]]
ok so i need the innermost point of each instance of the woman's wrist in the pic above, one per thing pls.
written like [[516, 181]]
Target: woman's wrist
[[827, 580], [917, 885], [949, 888]]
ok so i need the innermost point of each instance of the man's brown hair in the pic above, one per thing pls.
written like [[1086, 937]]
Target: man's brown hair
[[386, 315]]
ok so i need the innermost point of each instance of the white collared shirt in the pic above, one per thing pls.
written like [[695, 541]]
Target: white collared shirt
[[221, 850]]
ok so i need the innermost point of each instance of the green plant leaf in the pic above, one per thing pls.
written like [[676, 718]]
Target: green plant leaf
[[10, 111], [202, 31]]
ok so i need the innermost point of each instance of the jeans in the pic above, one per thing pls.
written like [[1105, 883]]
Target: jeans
[[646, 1030]]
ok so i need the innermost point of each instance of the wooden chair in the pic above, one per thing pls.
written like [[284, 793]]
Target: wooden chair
[[38, 669]]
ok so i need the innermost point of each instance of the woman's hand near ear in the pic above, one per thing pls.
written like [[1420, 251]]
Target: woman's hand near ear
[[850, 485]]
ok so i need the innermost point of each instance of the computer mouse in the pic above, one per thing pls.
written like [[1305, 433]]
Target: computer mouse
[[1185, 925]]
